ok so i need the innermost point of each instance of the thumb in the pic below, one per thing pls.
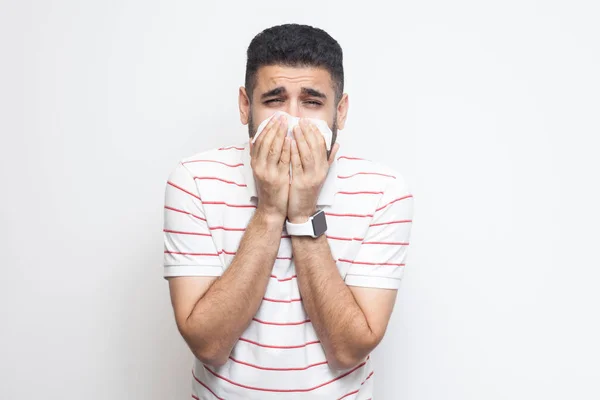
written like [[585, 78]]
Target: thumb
[[332, 154]]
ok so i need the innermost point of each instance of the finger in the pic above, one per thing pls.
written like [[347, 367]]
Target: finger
[[333, 153], [265, 146], [286, 154], [261, 137], [275, 153], [295, 160], [309, 134], [303, 148]]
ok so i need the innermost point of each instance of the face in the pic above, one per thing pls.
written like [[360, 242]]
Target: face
[[299, 91]]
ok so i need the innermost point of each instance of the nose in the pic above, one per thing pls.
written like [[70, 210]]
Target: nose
[[293, 108]]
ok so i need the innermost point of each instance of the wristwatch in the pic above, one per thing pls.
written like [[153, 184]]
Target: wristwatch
[[314, 227]]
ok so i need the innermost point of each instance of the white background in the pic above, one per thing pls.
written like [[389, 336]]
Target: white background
[[490, 111]]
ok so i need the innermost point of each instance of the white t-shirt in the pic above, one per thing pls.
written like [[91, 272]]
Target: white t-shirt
[[211, 197]]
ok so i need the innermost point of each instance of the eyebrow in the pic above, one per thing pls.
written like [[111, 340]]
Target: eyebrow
[[281, 90], [313, 92], [273, 92]]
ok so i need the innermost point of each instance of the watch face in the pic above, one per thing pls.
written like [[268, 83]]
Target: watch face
[[319, 223]]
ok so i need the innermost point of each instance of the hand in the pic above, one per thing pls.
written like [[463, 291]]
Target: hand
[[309, 170], [270, 162]]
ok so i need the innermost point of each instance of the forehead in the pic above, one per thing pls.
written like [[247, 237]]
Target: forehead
[[272, 76]]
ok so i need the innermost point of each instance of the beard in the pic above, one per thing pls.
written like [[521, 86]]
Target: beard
[[252, 129]]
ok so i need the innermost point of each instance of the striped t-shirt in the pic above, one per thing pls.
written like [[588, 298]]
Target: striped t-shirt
[[210, 198]]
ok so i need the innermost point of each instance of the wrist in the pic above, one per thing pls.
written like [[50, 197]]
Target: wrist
[[301, 217], [313, 225], [271, 218]]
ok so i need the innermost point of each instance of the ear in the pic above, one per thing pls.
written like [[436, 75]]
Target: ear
[[244, 105], [342, 111]]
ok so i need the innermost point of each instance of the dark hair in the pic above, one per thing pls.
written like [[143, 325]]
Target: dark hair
[[295, 45]]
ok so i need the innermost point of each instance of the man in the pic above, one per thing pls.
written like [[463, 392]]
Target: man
[[271, 305]]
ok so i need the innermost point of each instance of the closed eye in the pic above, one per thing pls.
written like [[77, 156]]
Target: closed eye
[[273, 100], [309, 102]]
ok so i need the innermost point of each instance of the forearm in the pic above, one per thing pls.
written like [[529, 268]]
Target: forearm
[[225, 311], [338, 320]]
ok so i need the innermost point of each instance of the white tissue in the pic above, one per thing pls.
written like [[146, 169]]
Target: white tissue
[[292, 122]]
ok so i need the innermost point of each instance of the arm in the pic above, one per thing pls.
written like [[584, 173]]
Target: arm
[[350, 321], [212, 313]]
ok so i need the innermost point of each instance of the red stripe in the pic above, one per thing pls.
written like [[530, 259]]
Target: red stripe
[[356, 391], [229, 205], [392, 222], [278, 369], [285, 390], [281, 323], [393, 201], [219, 179], [342, 238], [298, 346], [233, 253], [365, 173], [214, 161], [390, 243], [280, 301], [360, 192], [227, 229], [184, 212], [186, 233], [231, 147], [207, 388], [191, 254], [348, 394], [351, 158], [284, 279], [182, 189], [348, 215], [239, 230], [367, 263]]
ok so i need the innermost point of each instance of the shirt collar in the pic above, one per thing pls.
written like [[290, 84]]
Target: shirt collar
[[328, 190]]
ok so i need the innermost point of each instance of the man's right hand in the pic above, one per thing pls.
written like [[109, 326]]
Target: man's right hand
[[270, 161]]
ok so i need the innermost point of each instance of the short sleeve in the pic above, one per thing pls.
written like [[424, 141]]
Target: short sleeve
[[381, 258], [189, 248]]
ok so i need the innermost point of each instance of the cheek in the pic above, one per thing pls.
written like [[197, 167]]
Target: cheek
[[320, 114], [260, 114]]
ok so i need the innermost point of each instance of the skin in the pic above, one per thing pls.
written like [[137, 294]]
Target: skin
[[212, 313]]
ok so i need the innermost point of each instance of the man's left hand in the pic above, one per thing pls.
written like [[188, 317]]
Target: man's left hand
[[309, 170]]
